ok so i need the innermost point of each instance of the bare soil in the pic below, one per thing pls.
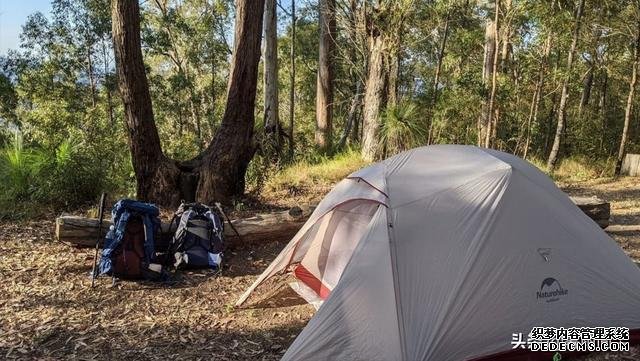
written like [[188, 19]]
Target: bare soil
[[48, 310]]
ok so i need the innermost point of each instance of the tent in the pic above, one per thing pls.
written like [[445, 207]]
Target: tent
[[443, 252]]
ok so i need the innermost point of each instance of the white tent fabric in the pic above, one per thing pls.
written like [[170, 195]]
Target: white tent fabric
[[453, 249]]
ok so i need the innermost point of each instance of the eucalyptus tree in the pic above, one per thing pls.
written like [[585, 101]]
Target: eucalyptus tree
[[218, 173], [325, 86], [562, 107], [272, 126], [634, 15]]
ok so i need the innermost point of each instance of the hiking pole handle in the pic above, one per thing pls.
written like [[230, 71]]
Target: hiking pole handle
[[95, 256], [229, 221]]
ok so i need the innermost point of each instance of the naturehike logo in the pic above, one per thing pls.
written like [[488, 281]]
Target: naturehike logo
[[550, 290], [545, 253]]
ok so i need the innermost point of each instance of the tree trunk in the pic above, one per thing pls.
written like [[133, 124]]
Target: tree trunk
[[271, 121], [92, 82], [156, 176], [393, 62], [214, 67], [373, 99], [506, 35], [195, 113], [629, 107], [292, 80], [490, 48], [602, 109], [324, 92], [351, 118], [436, 77], [537, 95], [107, 85], [282, 225], [586, 91], [493, 114], [441, 49], [355, 19], [553, 155], [225, 160]]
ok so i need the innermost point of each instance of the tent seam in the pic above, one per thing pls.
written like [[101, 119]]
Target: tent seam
[[368, 183], [494, 157], [396, 291], [557, 195]]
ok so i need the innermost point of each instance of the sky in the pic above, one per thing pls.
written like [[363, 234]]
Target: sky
[[13, 14]]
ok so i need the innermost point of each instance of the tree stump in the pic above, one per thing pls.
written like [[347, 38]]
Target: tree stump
[[631, 165], [596, 208]]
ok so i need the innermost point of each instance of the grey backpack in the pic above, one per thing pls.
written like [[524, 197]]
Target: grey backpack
[[198, 240]]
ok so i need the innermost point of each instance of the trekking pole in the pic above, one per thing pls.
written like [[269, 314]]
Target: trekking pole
[[229, 221], [95, 256]]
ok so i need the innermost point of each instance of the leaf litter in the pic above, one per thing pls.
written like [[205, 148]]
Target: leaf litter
[[48, 311]]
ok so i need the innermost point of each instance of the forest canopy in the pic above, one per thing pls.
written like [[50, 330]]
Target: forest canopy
[[237, 90]]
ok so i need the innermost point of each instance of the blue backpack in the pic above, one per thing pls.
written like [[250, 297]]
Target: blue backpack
[[129, 247]]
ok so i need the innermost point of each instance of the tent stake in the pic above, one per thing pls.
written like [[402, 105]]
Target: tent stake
[[95, 256]]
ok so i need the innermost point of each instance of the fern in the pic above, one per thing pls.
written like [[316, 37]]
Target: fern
[[402, 128], [18, 168]]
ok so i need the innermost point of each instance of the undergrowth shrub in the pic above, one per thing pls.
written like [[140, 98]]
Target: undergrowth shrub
[[71, 175], [577, 168], [19, 168], [320, 170], [402, 129]]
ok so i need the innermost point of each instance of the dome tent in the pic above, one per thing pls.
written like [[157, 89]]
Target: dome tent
[[443, 252]]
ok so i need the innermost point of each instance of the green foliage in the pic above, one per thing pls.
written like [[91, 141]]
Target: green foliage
[[70, 177], [186, 50], [65, 177], [8, 99], [19, 168], [402, 128], [59, 90]]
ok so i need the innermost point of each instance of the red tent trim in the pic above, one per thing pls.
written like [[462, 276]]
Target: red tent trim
[[310, 280]]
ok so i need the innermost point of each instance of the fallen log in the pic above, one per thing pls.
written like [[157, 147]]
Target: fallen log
[[623, 229], [83, 232], [596, 208], [277, 226]]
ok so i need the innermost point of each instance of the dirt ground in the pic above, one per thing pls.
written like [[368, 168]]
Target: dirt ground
[[49, 311], [624, 195]]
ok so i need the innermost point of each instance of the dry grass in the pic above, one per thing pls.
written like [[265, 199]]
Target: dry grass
[[577, 168], [306, 182], [624, 195]]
